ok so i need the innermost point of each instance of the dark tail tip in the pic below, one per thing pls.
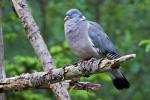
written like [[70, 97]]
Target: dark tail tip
[[121, 83]]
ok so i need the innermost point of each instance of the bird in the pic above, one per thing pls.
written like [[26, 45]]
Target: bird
[[87, 39]]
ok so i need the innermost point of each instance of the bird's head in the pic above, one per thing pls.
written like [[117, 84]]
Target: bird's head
[[73, 13]]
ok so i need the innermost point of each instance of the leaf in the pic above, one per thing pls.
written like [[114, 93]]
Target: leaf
[[105, 77], [55, 48], [65, 44], [144, 42], [147, 48]]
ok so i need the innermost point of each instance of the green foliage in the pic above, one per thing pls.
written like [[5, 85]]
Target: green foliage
[[125, 21], [27, 95], [21, 64], [10, 37], [83, 95], [147, 43]]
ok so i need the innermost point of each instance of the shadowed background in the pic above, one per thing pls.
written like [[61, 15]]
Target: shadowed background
[[126, 23]]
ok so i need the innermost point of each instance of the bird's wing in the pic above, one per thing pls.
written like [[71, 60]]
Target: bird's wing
[[101, 41], [96, 25]]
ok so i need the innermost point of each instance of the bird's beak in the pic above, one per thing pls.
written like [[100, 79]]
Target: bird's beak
[[66, 18]]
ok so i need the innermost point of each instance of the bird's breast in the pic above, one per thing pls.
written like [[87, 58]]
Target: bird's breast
[[79, 41]]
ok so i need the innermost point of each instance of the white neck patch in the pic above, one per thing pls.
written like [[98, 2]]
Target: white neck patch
[[83, 18]]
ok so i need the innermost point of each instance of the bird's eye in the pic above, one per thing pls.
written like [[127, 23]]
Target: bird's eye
[[68, 14]]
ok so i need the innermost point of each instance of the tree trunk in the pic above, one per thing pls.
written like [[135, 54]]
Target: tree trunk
[[2, 73]]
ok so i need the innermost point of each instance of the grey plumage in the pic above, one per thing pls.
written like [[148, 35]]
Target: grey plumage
[[87, 39]]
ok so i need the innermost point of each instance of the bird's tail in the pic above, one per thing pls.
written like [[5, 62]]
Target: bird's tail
[[119, 80]]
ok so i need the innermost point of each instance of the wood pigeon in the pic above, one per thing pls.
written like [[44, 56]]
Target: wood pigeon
[[87, 39]]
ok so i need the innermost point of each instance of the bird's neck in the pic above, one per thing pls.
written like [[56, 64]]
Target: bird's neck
[[71, 24]]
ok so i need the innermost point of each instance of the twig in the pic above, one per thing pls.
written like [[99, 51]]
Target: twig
[[83, 86]]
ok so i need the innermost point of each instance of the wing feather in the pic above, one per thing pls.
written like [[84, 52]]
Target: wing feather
[[101, 41]]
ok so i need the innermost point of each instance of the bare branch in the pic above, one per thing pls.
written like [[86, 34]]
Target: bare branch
[[81, 85], [82, 68], [68, 85], [33, 33]]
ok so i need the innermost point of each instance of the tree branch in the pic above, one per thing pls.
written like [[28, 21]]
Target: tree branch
[[68, 84], [81, 85], [38, 44], [79, 69]]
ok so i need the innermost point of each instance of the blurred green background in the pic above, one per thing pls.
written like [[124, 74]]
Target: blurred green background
[[127, 22]]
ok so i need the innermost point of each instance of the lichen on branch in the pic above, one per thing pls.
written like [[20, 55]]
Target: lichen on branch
[[82, 68]]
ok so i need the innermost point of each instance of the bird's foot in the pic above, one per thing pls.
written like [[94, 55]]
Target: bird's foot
[[92, 59], [75, 63]]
